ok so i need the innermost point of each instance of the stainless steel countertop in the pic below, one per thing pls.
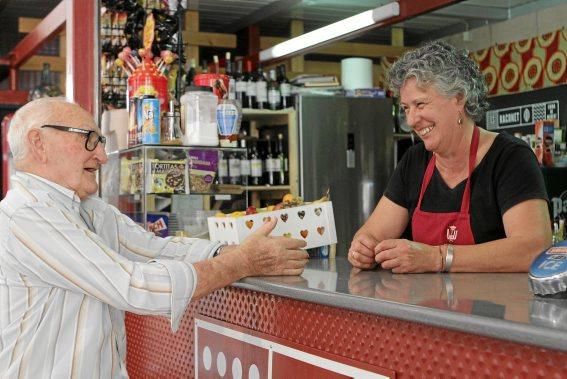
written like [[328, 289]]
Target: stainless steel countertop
[[494, 305]]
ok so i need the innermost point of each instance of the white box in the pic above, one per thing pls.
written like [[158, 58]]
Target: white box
[[313, 223]]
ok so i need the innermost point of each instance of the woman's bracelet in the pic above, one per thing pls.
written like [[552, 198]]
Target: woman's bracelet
[[442, 269], [448, 258]]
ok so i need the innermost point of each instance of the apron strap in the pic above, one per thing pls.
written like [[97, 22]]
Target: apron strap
[[465, 203]]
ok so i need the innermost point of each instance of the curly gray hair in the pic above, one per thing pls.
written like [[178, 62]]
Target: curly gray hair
[[446, 67]]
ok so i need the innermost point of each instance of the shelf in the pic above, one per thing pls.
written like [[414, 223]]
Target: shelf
[[265, 112], [267, 188]]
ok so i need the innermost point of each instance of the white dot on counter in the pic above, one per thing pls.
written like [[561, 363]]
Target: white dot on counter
[[207, 358], [236, 369], [253, 372], [221, 364]]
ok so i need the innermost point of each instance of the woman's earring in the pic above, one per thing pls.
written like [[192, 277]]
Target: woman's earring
[[460, 120]]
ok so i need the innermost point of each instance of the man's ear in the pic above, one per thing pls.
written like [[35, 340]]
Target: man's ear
[[36, 145]]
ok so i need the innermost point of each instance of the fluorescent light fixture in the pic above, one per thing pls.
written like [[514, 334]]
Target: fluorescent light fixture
[[331, 32]]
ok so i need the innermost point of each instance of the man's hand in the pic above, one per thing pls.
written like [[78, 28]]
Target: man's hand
[[361, 252], [263, 255]]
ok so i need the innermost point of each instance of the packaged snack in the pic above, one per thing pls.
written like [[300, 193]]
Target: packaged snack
[[202, 169], [167, 176]]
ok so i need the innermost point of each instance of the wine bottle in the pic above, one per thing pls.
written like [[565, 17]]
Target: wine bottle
[[274, 98], [269, 160], [255, 165], [250, 86], [240, 84], [285, 88], [282, 162], [261, 90], [231, 80]]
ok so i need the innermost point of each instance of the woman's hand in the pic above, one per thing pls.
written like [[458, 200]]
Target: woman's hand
[[361, 251], [403, 256]]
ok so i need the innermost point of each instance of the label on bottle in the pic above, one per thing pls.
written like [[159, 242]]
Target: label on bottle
[[272, 165], [251, 88], [274, 97], [231, 89], [223, 168], [241, 86], [262, 92], [245, 167], [234, 167], [285, 89], [256, 167]]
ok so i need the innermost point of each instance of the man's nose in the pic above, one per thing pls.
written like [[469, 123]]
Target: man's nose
[[101, 154]]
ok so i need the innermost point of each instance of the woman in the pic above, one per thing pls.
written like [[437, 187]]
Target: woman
[[466, 199]]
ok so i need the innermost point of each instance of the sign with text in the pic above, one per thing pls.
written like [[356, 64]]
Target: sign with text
[[522, 115]]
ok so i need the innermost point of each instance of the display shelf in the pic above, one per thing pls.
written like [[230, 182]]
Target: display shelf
[[263, 118], [267, 188]]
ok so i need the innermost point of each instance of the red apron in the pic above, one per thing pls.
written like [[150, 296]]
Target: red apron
[[452, 227]]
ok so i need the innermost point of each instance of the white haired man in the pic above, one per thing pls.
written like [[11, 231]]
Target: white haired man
[[70, 264]]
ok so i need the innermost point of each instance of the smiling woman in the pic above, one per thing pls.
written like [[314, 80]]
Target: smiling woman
[[464, 200]]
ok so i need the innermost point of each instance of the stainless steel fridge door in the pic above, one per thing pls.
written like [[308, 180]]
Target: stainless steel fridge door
[[346, 145]]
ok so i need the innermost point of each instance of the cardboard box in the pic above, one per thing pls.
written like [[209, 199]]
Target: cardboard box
[[313, 223]]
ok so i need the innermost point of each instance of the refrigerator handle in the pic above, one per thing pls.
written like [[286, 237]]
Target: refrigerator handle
[[350, 161]]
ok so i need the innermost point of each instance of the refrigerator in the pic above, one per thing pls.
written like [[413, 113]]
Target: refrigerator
[[345, 145]]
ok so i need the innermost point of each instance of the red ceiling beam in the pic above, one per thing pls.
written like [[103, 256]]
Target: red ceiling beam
[[50, 26], [413, 8], [13, 97]]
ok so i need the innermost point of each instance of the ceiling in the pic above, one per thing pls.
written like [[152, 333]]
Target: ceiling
[[274, 16]]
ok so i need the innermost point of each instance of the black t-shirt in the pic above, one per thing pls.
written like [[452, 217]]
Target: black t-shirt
[[507, 175]]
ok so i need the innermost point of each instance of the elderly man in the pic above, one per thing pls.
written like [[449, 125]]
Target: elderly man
[[70, 264]]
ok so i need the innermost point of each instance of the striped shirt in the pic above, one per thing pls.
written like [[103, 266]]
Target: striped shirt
[[68, 271]]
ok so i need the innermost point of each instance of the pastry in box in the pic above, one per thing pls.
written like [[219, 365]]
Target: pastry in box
[[314, 223]]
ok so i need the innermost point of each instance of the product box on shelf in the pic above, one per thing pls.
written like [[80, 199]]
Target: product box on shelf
[[314, 223]]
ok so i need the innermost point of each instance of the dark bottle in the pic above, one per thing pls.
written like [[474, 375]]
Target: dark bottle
[[234, 168], [282, 172], [285, 88], [245, 171], [250, 86], [240, 84], [274, 98], [223, 177], [261, 90], [270, 163], [190, 74], [255, 165], [231, 80], [216, 64], [46, 88]]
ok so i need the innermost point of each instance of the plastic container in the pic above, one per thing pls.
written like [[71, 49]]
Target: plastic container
[[198, 116]]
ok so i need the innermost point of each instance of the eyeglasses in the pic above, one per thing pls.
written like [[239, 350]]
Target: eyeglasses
[[93, 138]]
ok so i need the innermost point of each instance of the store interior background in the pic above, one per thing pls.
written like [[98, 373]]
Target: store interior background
[[216, 26]]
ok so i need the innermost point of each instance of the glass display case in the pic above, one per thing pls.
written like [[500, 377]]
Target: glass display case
[[171, 190]]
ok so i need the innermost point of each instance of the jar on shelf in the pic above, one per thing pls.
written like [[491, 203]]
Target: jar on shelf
[[198, 116]]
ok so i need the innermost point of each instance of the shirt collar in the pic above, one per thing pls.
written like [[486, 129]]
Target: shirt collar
[[58, 189]]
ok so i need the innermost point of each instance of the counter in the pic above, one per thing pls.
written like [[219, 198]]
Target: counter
[[369, 322]]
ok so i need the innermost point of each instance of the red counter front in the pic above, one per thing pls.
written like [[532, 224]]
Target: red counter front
[[369, 343]]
